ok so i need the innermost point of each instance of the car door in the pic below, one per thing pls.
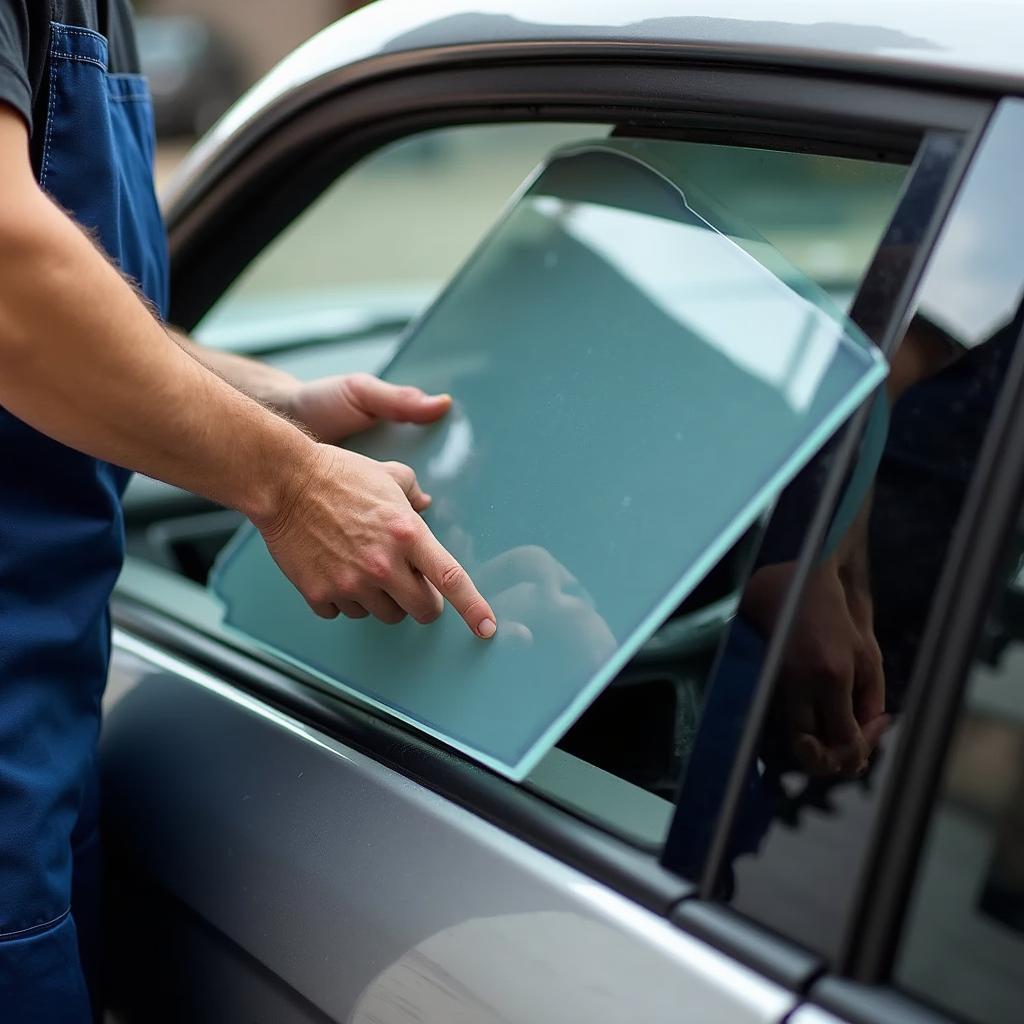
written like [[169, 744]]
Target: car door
[[280, 852]]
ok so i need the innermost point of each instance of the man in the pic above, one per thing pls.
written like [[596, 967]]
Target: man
[[90, 381]]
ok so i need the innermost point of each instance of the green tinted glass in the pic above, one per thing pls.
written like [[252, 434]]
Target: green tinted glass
[[632, 388]]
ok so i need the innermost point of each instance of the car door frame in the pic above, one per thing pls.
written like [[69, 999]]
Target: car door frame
[[857, 986], [862, 991]]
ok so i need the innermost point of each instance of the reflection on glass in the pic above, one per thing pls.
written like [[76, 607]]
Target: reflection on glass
[[967, 905], [805, 820], [721, 300], [973, 286], [632, 389]]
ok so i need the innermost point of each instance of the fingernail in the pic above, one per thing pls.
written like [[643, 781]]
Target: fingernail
[[487, 628]]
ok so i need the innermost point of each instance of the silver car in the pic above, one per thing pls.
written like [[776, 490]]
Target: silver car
[[695, 842]]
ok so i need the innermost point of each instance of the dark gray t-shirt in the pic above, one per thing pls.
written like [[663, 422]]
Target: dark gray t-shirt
[[25, 45]]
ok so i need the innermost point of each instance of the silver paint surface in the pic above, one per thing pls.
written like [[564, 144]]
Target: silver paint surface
[[970, 43], [373, 897], [814, 1015]]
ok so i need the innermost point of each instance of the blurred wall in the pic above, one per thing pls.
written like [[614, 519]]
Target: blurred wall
[[262, 31]]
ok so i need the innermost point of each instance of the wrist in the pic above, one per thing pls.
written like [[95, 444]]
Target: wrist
[[288, 463]]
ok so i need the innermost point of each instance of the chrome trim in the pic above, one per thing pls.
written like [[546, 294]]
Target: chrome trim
[[170, 663]]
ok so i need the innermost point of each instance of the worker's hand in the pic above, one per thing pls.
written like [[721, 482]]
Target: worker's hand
[[348, 536], [335, 408], [831, 683]]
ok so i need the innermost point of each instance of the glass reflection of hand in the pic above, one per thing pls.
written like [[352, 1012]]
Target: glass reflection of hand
[[831, 686], [539, 602]]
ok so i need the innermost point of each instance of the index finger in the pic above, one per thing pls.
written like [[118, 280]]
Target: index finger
[[454, 585]]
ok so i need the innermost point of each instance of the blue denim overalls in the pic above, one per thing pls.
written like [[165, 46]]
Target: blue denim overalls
[[61, 544]]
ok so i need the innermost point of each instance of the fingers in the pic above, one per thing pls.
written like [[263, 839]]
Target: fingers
[[383, 607], [826, 737], [332, 609], [812, 756], [417, 596], [387, 563], [412, 594], [874, 730], [809, 751], [840, 729], [380, 400], [325, 609], [352, 609], [454, 585], [404, 476], [826, 760], [869, 686]]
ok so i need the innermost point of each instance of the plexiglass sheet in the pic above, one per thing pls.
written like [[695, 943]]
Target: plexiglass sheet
[[631, 389]]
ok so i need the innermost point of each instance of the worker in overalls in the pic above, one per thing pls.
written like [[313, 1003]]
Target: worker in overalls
[[94, 385]]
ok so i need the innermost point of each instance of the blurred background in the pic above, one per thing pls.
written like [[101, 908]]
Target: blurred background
[[200, 56], [393, 229]]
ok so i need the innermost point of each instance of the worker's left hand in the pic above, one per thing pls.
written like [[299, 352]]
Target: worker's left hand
[[335, 408]]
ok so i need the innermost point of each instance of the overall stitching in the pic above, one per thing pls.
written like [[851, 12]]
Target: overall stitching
[[72, 30], [80, 57], [49, 130], [56, 29], [35, 929]]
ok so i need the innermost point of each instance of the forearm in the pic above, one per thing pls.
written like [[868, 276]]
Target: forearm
[[265, 383], [84, 361]]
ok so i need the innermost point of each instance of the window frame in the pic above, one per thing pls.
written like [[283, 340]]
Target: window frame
[[963, 601], [224, 216], [268, 185], [881, 309], [964, 597]]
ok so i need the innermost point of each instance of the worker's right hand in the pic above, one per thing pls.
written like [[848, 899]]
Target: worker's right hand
[[348, 535]]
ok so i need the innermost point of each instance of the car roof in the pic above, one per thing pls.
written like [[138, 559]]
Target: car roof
[[974, 44], [966, 40]]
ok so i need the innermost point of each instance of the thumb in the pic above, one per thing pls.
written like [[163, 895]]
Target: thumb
[[399, 404]]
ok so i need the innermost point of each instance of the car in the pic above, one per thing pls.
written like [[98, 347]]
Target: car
[[703, 838]]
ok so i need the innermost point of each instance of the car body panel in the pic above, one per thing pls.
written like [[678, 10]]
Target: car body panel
[[468, 924]]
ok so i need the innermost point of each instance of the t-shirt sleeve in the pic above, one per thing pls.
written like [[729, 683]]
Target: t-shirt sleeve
[[14, 56]]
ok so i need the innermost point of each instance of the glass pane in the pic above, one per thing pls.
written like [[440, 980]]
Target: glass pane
[[968, 903], [632, 389]]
